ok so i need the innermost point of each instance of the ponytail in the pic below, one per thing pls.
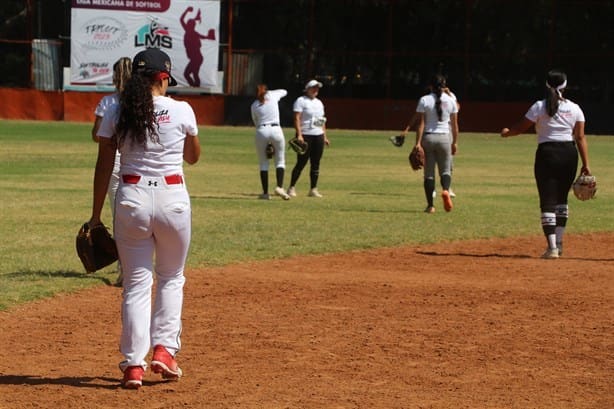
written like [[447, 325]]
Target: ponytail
[[438, 83], [122, 70], [137, 120], [555, 84]]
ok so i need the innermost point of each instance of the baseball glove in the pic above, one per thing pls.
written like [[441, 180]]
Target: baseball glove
[[416, 158], [397, 141], [95, 247], [298, 146], [269, 150], [585, 187]]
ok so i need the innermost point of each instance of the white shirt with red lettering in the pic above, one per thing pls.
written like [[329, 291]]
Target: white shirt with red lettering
[[558, 128], [175, 119]]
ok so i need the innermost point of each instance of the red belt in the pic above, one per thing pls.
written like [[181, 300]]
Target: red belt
[[170, 180]]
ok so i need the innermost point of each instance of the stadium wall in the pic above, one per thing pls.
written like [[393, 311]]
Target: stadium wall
[[73, 106]]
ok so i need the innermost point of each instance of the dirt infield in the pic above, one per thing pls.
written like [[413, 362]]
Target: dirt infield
[[475, 324]]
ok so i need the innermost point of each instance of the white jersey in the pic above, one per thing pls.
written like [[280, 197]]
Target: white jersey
[[268, 112], [432, 124], [558, 128], [312, 115], [105, 103], [175, 120], [108, 102]]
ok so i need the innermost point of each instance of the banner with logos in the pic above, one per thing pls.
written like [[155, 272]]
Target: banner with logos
[[102, 31]]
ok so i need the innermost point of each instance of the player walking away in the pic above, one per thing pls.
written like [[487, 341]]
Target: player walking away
[[154, 134], [414, 120], [310, 126], [265, 114], [560, 137], [121, 74], [437, 117]]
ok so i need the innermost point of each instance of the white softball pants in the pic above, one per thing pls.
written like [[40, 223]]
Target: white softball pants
[[274, 135], [152, 217], [113, 184]]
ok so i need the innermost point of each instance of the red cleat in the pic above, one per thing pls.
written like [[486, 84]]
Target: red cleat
[[133, 377], [164, 363]]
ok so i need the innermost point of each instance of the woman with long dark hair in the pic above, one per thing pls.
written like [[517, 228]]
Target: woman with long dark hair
[[437, 118], [560, 137], [154, 134]]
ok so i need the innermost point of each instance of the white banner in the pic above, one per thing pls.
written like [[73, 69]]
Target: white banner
[[102, 31]]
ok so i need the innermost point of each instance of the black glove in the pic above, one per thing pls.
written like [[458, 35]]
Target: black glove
[[269, 150], [397, 141], [298, 146], [95, 247]]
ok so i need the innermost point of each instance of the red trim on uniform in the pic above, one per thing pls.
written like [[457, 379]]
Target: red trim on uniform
[[170, 180], [174, 179], [131, 179]]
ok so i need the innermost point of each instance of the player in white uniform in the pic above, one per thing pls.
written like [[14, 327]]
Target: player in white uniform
[[265, 115], [310, 126], [121, 74], [437, 118], [560, 137], [154, 134], [414, 120]]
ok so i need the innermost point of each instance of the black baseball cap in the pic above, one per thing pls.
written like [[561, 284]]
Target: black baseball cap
[[153, 60]]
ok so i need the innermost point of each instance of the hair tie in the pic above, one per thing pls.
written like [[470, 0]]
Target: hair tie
[[558, 88]]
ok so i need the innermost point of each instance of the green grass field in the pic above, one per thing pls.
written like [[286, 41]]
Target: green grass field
[[372, 199]]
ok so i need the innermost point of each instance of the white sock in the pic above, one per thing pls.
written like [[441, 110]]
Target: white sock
[[551, 241]]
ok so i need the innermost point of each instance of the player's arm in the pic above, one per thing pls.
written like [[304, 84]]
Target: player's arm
[[420, 129], [326, 140], [520, 127], [102, 174], [454, 126], [297, 125], [191, 149], [410, 124], [95, 128], [580, 138]]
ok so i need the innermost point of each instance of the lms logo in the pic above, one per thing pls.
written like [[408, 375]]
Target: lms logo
[[152, 35]]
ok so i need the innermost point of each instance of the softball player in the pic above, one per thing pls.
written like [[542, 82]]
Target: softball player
[[437, 117], [310, 126], [121, 74], [265, 114], [414, 120], [560, 137], [154, 134]]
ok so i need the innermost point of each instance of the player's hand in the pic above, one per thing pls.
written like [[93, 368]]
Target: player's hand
[[326, 141]]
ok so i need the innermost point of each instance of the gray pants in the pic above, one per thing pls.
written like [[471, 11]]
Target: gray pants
[[437, 150]]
